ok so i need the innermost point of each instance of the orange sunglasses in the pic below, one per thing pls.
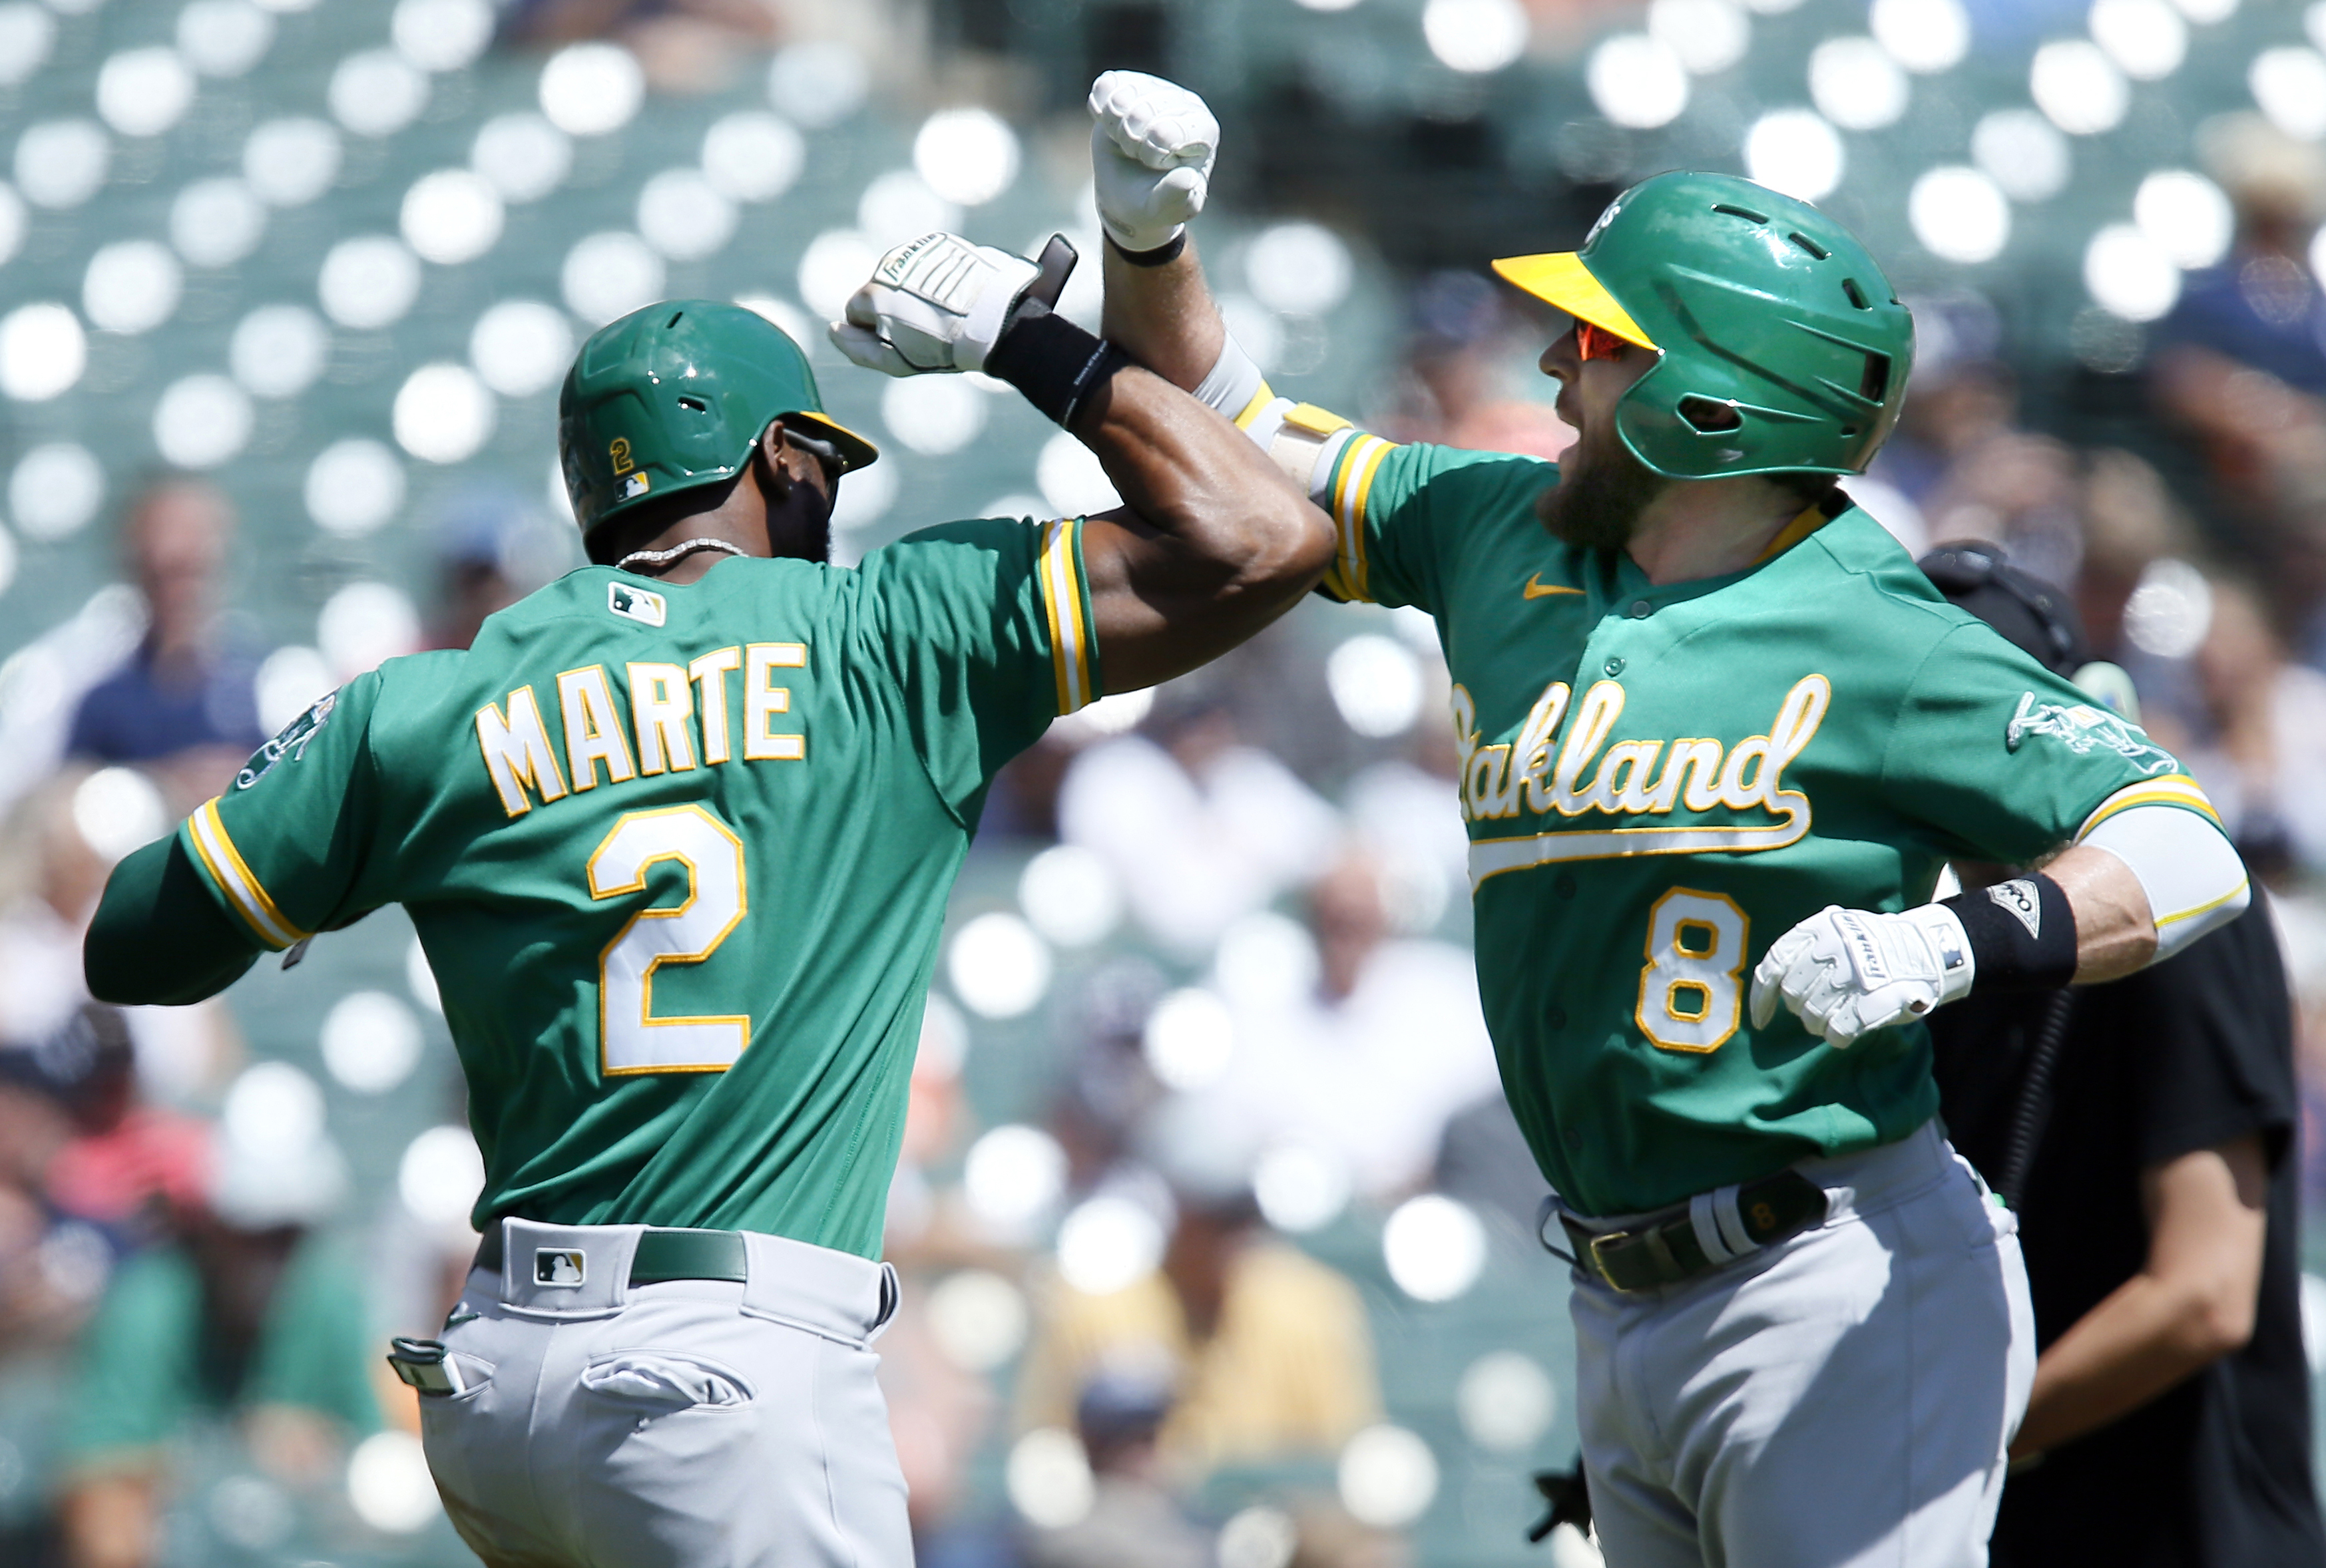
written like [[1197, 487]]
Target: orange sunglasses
[[1593, 341]]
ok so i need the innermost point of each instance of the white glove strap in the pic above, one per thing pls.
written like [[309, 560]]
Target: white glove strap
[[1948, 946]]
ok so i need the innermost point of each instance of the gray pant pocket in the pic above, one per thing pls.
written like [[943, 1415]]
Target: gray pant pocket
[[657, 1379]]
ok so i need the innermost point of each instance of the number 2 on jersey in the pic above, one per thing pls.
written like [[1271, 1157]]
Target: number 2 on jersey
[[632, 1038], [1692, 991]]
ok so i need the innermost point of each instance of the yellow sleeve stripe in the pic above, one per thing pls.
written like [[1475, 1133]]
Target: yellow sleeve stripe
[[1259, 400], [1351, 486], [234, 878], [1060, 571], [2163, 921], [2174, 789]]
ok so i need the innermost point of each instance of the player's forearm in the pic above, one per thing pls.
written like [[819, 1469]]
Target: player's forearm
[[2115, 934], [1164, 316], [2193, 1302], [1238, 543], [158, 937]]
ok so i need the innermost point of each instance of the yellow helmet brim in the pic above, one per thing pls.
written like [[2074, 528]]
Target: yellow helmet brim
[[1559, 278]]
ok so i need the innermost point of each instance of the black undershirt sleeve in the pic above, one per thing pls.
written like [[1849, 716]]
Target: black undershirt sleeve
[[159, 937]]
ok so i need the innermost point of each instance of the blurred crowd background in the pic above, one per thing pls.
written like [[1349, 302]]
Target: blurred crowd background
[[1215, 1236]]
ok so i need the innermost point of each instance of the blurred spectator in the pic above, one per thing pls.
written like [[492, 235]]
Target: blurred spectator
[[2241, 362], [2265, 746], [1270, 1349], [246, 1317], [184, 705], [473, 582], [51, 875], [2260, 307], [128, 1164], [684, 45], [1201, 828], [1962, 457], [1135, 1518], [2144, 1131], [1468, 372], [1358, 1047]]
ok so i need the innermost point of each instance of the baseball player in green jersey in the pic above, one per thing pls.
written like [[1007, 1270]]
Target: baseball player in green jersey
[[1717, 738], [677, 834]]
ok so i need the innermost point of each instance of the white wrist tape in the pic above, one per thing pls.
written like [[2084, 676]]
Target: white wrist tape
[[2193, 878], [1232, 382]]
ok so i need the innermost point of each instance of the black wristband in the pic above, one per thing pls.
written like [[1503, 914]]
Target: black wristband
[[1055, 363], [1162, 255], [2023, 934]]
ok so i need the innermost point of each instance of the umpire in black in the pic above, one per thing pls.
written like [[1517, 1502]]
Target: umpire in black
[[2144, 1130]]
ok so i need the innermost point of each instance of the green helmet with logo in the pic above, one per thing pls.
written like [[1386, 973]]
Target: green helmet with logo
[[674, 396], [1780, 347]]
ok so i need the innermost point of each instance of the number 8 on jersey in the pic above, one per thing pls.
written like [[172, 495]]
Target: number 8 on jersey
[[1692, 991]]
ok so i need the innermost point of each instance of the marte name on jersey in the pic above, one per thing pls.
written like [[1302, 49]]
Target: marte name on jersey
[[677, 718]]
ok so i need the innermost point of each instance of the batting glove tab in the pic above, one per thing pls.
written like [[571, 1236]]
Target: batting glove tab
[[938, 303], [1845, 972], [1151, 152]]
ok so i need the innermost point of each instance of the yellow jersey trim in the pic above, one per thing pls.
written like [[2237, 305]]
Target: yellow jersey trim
[[234, 879], [1251, 411], [2173, 789], [1059, 572], [1351, 487], [2161, 921]]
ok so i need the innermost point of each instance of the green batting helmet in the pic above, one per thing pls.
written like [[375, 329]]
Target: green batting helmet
[[1781, 348], [674, 396]]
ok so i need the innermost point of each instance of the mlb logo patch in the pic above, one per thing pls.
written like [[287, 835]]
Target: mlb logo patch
[[641, 605], [560, 1268], [634, 486]]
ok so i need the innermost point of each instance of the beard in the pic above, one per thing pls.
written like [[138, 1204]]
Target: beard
[[1596, 503]]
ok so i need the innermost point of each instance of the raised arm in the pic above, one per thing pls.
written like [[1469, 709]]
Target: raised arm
[[1212, 543]]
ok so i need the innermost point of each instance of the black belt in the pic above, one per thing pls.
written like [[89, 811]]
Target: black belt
[[1663, 1248], [662, 1255]]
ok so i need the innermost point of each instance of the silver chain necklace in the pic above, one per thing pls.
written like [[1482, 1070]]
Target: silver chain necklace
[[665, 557]]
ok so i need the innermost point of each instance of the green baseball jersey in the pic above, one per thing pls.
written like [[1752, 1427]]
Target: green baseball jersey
[[679, 856], [1660, 781]]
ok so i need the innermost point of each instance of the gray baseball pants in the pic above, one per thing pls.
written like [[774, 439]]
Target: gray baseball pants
[[1841, 1399], [691, 1424]]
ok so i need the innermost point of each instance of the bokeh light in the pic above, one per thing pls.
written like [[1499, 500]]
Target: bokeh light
[[610, 275], [201, 422], [1302, 269], [442, 35], [753, 156], [363, 625], [290, 162], [1048, 1479], [1506, 1401], [443, 414], [1435, 1248], [1794, 151], [377, 93], [2129, 274], [368, 281], [979, 1317], [1376, 684], [2078, 87], [1475, 36], [1959, 215], [997, 966], [1108, 1244], [1071, 895], [967, 156], [1707, 36], [1637, 80], [521, 347], [818, 84], [2146, 39], [588, 90], [2288, 84], [2187, 216], [1300, 1188], [1388, 1477], [1012, 1177], [370, 1041], [353, 487], [62, 163], [116, 810], [216, 222], [389, 1483], [131, 286], [1857, 85], [1925, 36], [439, 1176], [1190, 1040], [43, 351], [523, 156], [55, 489], [142, 92], [450, 216]]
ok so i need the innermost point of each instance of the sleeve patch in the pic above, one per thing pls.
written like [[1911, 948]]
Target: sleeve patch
[[232, 877], [1067, 606], [2083, 728]]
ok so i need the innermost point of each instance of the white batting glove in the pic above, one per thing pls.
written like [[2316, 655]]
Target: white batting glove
[[1845, 972], [938, 303], [1151, 153]]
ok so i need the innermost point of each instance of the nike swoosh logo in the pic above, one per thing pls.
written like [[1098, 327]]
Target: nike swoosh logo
[[1538, 588]]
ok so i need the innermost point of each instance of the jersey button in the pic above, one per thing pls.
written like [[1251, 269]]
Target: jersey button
[[1641, 609], [1614, 667]]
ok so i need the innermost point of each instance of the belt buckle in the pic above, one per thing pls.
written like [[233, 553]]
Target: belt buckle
[[1599, 1259]]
